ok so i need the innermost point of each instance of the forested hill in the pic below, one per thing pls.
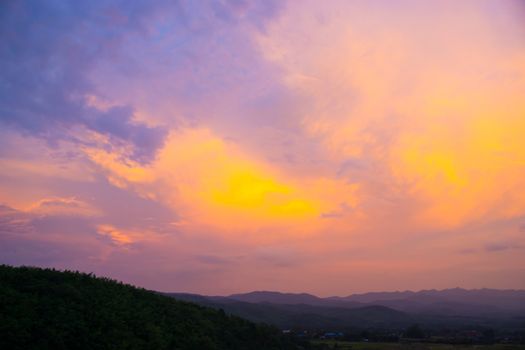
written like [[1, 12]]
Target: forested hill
[[49, 309]]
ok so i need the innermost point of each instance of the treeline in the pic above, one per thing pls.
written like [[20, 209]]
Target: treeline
[[50, 309]]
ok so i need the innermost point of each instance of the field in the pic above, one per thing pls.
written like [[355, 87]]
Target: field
[[342, 345]]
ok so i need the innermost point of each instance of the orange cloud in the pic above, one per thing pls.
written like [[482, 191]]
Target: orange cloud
[[63, 206], [438, 115], [117, 236], [208, 181]]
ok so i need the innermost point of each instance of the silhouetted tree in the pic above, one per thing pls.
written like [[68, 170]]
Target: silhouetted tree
[[49, 309], [414, 331]]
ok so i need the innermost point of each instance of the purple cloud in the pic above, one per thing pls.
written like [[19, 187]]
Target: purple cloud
[[50, 50], [46, 54], [501, 246]]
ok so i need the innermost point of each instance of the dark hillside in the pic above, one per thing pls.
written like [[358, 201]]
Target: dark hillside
[[388, 314], [304, 316], [49, 309]]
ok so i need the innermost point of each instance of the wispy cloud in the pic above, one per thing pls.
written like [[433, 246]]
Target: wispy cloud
[[501, 246], [48, 52], [181, 144]]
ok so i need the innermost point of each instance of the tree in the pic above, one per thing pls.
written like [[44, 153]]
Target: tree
[[414, 331]]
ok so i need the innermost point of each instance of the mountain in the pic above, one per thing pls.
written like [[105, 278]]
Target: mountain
[[388, 310], [455, 301], [49, 309], [277, 298], [305, 316]]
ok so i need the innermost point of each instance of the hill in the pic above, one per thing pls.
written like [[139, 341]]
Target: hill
[[455, 301], [298, 315], [449, 302], [277, 298], [453, 308], [49, 309]]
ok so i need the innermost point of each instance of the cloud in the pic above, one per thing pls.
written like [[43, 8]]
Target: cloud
[[52, 240], [278, 256], [151, 60], [14, 221], [408, 110], [343, 209], [58, 232], [155, 141], [214, 260], [116, 236], [467, 251], [501, 246], [496, 247], [48, 219], [244, 194], [63, 206], [47, 52]]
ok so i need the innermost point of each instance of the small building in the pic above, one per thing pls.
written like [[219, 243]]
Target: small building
[[332, 335]]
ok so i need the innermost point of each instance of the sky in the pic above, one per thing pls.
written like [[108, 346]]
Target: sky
[[216, 147]]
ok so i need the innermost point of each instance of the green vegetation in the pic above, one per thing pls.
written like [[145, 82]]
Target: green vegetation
[[343, 345], [49, 309]]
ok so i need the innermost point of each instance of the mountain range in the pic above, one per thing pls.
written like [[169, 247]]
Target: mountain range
[[389, 310]]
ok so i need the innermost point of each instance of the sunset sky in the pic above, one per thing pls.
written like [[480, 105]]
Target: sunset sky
[[214, 147]]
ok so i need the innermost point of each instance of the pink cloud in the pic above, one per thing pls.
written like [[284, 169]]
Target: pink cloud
[[365, 145]]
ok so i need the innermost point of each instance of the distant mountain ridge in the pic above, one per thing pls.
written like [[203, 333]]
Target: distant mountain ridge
[[302, 315], [459, 307], [503, 300], [506, 300], [277, 297]]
